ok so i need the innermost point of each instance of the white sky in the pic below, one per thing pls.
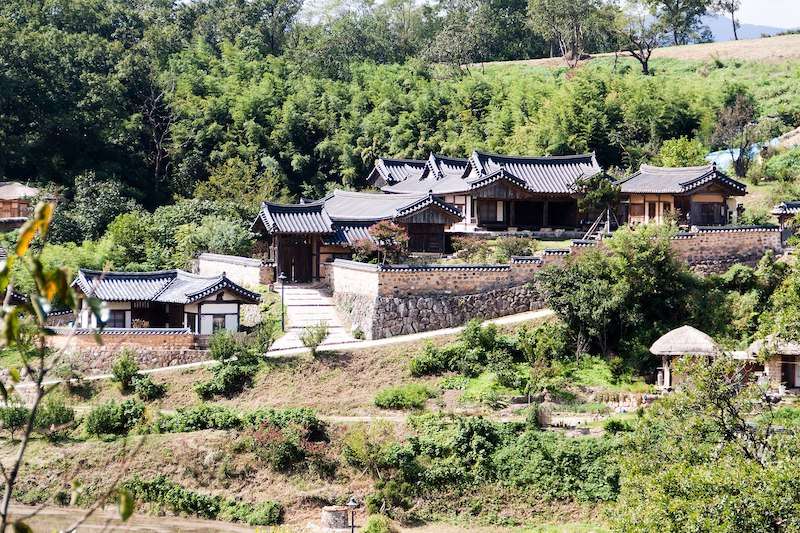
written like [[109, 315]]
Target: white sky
[[778, 13]]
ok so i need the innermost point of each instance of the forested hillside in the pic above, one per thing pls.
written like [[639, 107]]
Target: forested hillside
[[126, 105]]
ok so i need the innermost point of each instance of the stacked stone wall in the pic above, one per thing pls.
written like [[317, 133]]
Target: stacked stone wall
[[386, 300], [383, 301], [413, 314], [152, 350], [716, 250]]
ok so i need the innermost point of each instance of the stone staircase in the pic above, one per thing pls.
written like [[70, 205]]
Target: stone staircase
[[308, 305]]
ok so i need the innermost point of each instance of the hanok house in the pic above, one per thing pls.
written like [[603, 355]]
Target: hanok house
[[495, 192], [697, 196], [163, 299], [15, 204], [302, 236]]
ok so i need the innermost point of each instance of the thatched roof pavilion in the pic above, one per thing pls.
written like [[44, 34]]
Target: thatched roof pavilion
[[685, 340]]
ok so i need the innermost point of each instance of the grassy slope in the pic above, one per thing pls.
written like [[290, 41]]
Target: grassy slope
[[210, 461]]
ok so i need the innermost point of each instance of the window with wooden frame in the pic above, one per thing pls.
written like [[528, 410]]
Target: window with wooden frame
[[116, 319]]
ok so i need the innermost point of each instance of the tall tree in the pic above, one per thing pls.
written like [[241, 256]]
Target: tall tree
[[567, 22], [682, 18], [638, 32], [736, 127], [729, 7]]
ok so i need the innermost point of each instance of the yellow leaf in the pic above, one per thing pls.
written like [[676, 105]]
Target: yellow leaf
[[26, 234]]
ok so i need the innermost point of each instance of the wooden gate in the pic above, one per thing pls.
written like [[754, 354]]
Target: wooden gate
[[294, 258]]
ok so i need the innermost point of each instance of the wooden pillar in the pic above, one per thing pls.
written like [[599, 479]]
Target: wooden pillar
[[546, 214], [512, 205]]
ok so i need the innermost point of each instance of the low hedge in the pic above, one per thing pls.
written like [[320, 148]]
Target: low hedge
[[206, 416], [411, 396], [163, 491]]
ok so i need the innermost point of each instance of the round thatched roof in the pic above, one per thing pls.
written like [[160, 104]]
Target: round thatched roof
[[775, 345], [685, 340]]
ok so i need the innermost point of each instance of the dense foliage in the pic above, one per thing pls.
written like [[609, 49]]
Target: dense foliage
[[164, 492], [710, 456], [449, 452]]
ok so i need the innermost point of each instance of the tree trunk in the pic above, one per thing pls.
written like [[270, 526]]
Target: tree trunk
[[733, 21]]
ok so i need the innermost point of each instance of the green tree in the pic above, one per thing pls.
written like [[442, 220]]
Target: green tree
[[709, 457], [682, 18], [565, 22], [638, 32], [681, 152]]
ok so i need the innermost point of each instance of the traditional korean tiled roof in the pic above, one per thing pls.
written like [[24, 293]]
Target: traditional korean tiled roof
[[348, 232], [343, 216], [545, 174], [787, 208], [297, 218], [677, 180], [166, 286], [392, 171]]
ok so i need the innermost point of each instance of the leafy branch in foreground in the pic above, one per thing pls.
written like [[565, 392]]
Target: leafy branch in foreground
[[24, 329]]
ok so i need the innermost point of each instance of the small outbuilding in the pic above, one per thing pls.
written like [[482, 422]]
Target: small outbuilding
[[162, 300], [679, 342], [782, 360], [694, 196]]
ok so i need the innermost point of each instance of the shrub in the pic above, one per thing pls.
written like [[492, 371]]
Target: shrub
[[147, 390], [508, 247], [210, 416], [378, 524], [430, 361], [560, 467], [125, 369], [546, 342], [54, 417], [313, 336], [784, 166], [112, 418], [453, 383], [13, 418], [223, 346], [472, 249], [229, 379], [280, 452], [615, 425], [262, 336], [301, 417], [411, 396], [163, 491], [203, 416]]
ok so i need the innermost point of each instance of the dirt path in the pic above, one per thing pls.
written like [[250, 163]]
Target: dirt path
[[338, 347], [57, 518]]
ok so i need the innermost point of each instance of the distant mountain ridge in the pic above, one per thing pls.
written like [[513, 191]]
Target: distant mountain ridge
[[722, 29]]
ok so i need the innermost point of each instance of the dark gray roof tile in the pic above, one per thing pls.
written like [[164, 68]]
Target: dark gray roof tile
[[677, 180], [167, 286]]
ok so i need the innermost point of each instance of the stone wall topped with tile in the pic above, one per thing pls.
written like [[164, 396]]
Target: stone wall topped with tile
[[388, 300], [152, 349]]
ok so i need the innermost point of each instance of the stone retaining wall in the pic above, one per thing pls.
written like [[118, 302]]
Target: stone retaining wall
[[387, 300], [714, 250], [153, 350], [383, 301]]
